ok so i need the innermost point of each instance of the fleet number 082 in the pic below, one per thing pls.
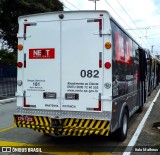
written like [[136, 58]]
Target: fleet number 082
[[89, 73]]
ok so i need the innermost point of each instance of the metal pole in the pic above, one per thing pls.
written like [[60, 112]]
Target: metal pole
[[152, 48], [95, 1]]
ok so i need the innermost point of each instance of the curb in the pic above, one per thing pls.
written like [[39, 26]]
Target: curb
[[7, 100]]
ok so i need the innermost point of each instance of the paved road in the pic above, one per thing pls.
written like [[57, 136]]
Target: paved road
[[13, 136]]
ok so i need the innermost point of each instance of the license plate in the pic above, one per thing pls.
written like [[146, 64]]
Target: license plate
[[25, 118]]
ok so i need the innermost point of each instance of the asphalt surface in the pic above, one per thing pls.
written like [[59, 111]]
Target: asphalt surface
[[11, 136], [89, 145], [6, 115]]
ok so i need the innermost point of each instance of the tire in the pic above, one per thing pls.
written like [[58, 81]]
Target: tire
[[140, 109], [121, 133]]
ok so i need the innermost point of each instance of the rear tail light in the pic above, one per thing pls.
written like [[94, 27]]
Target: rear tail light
[[107, 65], [19, 64]]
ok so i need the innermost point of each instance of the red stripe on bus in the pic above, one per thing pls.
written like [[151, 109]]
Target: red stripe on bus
[[25, 27], [25, 105], [100, 63], [99, 106], [100, 23]]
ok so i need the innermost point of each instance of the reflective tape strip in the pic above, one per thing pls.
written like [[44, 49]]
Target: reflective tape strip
[[99, 104], [90, 132], [91, 125], [64, 132], [24, 100], [97, 124], [46, 131], [41, 121], [80, 132], [27, 123], [73, 127], [24, 60], [89, 109], [46, 121], [36, 120], [75, 132], [25, 28], [70, 122], [100, 24], [100, 59], [33, 127], [96, 132], [90, 20]]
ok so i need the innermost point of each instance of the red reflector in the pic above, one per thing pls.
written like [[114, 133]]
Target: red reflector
[[107, 65], [19, 64], [100, 63], [25, 118]]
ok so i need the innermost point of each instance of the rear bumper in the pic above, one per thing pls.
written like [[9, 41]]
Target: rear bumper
[[104, 115], [65, 126]]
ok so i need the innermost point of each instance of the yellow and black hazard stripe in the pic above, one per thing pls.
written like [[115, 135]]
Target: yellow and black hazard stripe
[[67, 126]]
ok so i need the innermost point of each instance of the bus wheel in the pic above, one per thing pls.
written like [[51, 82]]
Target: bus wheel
[[140, 109], [121, 133]]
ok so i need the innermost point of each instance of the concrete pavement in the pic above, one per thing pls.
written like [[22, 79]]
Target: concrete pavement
[[8, 100], [149, 136]]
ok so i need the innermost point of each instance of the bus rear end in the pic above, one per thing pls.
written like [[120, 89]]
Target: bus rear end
[[65, 73]]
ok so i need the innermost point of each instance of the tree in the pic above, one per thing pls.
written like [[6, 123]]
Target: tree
[[10, 10], [7, 58]]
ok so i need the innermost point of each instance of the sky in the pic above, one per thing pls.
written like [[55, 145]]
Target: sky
[[140, 18]]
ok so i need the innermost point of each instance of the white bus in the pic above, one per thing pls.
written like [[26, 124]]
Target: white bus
[[79, 73]]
